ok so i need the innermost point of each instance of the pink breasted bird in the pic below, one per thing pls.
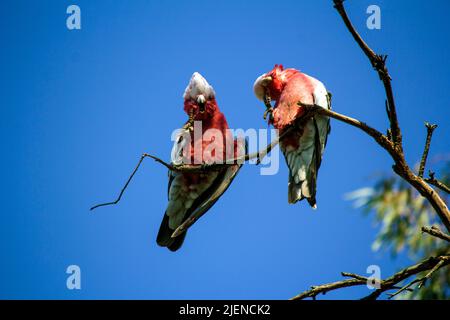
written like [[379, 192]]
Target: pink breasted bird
[[192, 194], [304, 145]]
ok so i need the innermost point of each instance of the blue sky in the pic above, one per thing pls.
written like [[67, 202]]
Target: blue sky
[[79, 107]]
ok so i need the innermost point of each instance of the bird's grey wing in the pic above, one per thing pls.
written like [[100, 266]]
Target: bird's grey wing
[[304, 161], [202, 204]]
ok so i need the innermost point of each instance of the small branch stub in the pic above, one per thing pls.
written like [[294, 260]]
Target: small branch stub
[[438, 184], [430, 129]]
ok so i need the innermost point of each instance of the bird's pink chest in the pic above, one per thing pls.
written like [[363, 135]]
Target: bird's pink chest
[[214, 143]]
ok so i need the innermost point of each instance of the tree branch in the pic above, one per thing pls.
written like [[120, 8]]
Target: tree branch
[[324, 288], [380, 138], [430, 129], [354, 276], [436, 232], [396, 150], [400, 167], [432, 263], [379, 64]]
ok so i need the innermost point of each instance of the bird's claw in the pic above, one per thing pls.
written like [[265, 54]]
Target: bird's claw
[[206, 165], [269, 112], [269, 109]]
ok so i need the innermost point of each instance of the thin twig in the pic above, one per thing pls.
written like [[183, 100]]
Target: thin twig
[[124, 187], [183, 168], [438, 184], [404, 288], [324, 288], [380, 138], [354, 276], [430, 129], [436, 232]]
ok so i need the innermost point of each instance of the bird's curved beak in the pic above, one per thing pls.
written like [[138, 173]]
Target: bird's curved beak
[[201, 100], [266, 80], [261, 85]]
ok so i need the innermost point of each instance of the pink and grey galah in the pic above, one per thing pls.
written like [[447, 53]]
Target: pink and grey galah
[[205, 138], [302, 146]]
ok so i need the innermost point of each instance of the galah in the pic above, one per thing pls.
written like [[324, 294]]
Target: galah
[[192, 194], [304, 144]]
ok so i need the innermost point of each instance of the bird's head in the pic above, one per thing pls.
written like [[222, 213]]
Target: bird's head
[[271, 83], [199, 98]]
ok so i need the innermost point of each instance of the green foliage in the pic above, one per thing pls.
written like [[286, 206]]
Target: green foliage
[[401, 212]]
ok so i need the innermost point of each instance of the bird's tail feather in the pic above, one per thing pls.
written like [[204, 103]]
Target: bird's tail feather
[[306, 188], [303, 190], [164, 238]]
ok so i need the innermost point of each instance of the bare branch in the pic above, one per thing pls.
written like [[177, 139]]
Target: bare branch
[[324, 288], [430, 129], [425, 265], [380, 138], [438, 184], [436, 232], [436, 201], [354, 276], [400, 167], [379, 64], [124, 187], [421, 281], [183, 168], [432, 263]]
